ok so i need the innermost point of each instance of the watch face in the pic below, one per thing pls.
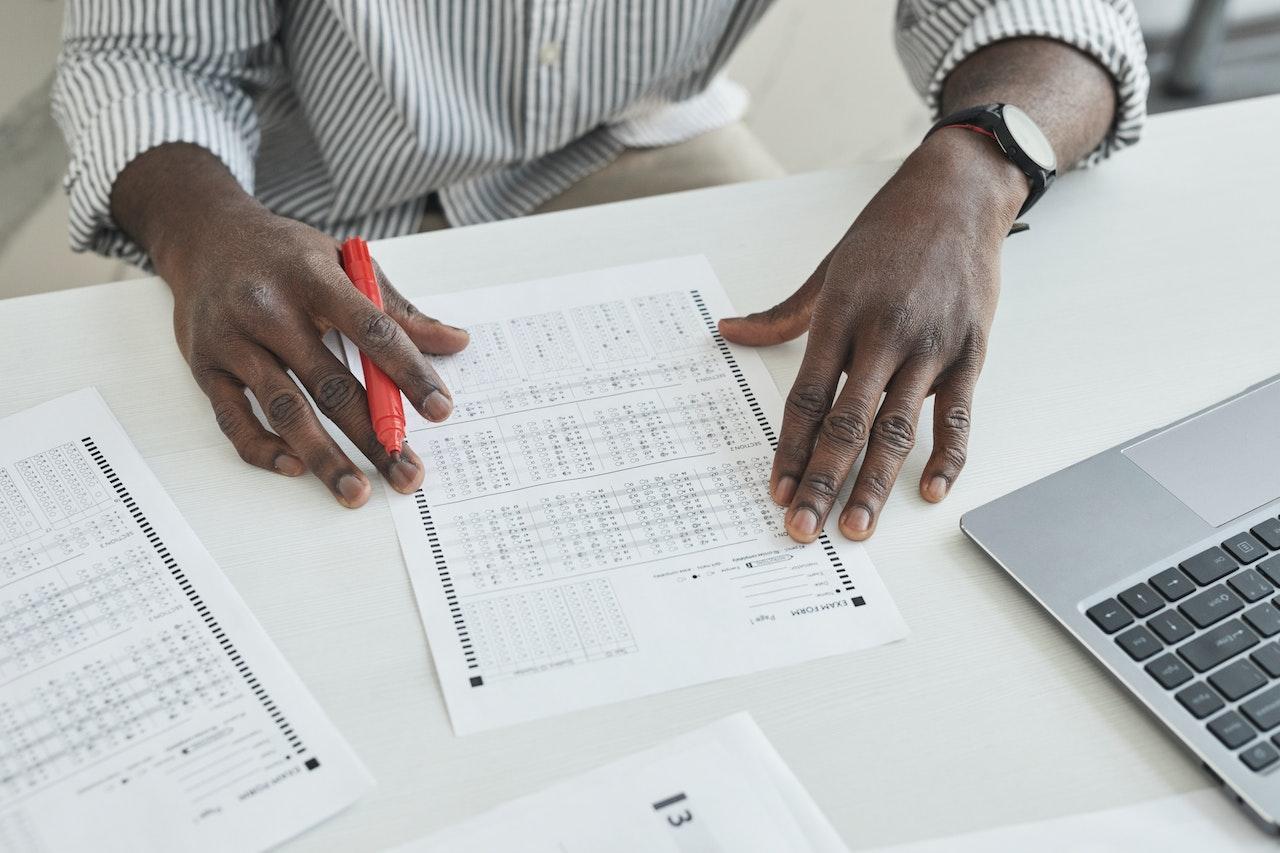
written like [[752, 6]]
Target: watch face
[[1029, 138]]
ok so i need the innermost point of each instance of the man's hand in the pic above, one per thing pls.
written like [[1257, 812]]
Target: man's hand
[[902, 305], [253, 294]]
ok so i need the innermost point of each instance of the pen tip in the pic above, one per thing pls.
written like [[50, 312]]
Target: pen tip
[[395, 456]]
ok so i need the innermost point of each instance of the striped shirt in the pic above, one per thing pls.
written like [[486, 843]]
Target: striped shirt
[[349, 114]]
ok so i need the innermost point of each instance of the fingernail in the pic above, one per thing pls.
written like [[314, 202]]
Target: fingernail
[[785, 491], [404, 476], [290, 466], [437, 406], [937, 488], [805, 522], [350, 489], [857, 521]]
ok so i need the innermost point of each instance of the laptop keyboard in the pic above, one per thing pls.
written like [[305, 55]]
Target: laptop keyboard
[[1208, 630]]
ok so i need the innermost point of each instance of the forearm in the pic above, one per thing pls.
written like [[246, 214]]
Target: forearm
[[963, 176], [170, 190], [1067, 93]]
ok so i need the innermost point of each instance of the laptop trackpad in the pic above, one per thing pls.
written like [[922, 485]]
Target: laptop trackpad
[[1222, 463]]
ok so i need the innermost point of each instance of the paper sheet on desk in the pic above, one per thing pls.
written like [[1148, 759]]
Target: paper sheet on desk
[[720, 789], [1198, 822], [142, 707], [595, 523]]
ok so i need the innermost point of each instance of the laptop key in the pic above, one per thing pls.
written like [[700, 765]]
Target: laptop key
[[1173, 584], [1169, 671], [1265, 619], [1213, 647], [1171, 626], [1251, 585], [1238, 679], [1208, 566], [1199, 700], [1211, 605], [1268, 657], [1263, 710], [1271, 568], [1139, 643], [1141, 599], [1109, 616], [1260, 756], [1269, 532], [1245, 548], [1232, 730]]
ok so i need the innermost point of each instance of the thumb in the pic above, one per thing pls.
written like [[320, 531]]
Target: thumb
[[783, 322]]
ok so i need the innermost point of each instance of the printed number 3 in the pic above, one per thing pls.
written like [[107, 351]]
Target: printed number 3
[[680, 819]]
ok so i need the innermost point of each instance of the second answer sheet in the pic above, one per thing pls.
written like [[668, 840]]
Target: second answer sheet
[[142, 707], [595, 523]]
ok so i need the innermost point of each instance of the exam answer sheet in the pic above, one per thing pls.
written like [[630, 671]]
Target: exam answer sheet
[[595, 523], [142, 707], [720, 789]]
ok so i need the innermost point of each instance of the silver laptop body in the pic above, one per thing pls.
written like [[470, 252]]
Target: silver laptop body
[[1095, 543]]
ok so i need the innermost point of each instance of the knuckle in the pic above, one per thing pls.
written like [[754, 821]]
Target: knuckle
[[794, 454], [256, 299], [808, 402], [895, 432], [929, 344], [773, 314], [844, 430], [895, 320], [975, 344], [877, 484], [286, 409], [203, 369], [379, 331], [229, 421], [822, 486], [954, 456], [956, 419], [336, 392]]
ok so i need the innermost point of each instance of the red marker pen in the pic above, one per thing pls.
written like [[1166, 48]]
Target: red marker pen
[[385, 409]]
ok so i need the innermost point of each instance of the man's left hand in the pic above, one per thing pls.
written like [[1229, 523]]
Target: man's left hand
[[903, 305]]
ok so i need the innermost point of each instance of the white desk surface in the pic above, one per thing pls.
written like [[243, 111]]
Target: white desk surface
[[1145, 289]]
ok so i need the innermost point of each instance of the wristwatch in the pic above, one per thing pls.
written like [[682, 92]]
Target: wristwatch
[[1019, 138]]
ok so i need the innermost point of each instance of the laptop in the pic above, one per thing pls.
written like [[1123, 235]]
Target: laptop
[[1162, 556]]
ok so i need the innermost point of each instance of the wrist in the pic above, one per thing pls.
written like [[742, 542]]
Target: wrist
[[970, 173], [174, 198]]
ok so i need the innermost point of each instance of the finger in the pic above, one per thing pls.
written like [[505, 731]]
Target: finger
[[380, 337], [341, 398], [291, 416], [807, 403], [783, 322], [892, 436], [427, 333], [255, 444], [952, 407], [841, 437]]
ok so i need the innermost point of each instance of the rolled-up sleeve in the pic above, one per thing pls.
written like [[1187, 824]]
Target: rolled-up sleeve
[[135, 74], [934, 36]]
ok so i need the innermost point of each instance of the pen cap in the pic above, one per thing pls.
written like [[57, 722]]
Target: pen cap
[[359, 268]]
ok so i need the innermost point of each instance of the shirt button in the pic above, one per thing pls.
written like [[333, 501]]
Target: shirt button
[[550, 53]]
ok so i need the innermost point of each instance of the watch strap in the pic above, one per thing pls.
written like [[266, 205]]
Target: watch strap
[[988, 119]]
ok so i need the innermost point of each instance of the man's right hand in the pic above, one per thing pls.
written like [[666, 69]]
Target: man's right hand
[[253, 295]]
